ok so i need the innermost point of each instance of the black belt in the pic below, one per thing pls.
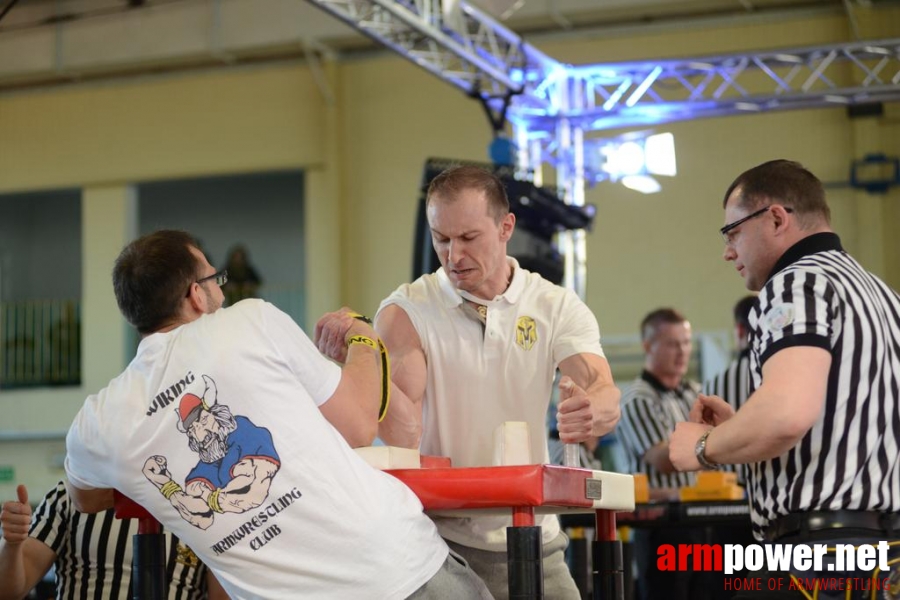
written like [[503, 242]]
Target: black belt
[[803, 523]]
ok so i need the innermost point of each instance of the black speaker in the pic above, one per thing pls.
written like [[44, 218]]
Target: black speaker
[[869, 109]]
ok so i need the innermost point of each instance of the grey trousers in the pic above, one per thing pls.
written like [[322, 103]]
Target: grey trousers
[[454, 580], [491, 567]]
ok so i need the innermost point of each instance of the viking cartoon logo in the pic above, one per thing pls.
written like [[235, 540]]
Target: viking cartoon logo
[[237, 461], [526, 333]]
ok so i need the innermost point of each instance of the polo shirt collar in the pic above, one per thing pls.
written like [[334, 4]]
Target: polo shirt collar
[[453, 297], [817, 242], [658, 385]]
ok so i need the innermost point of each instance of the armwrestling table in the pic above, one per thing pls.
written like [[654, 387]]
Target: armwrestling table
[[522, 491], [525, 491]]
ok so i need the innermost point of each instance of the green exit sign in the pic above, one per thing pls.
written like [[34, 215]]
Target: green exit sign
[[7, 473]]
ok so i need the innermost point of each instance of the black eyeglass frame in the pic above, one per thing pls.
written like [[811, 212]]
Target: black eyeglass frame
[[221, 278], [730, 227], [219, 275]]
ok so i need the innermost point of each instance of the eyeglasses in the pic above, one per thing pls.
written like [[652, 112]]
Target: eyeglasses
[[221, 278], [726, 231]]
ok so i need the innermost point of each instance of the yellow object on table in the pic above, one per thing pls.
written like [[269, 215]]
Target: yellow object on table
[[713, 485], [641, 488]]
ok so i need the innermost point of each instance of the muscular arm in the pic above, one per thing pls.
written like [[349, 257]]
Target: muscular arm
[[773, 420], [89, 501], [592, 407], [22, 565], [250, 486], [23, 559], [353, 407], [402, 426], [782, 410]]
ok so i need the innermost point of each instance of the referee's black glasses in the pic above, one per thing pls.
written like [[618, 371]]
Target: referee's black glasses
[[221, 279], [726, 231]]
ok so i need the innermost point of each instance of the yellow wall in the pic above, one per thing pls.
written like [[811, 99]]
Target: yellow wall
[[364, 155]]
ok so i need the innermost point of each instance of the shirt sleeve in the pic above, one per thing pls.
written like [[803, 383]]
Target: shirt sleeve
[[86, 454], [50, 521], [315, 372], [796, 308], [577, 331]]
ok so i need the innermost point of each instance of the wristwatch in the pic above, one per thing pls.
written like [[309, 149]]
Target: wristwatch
[[700, 452]]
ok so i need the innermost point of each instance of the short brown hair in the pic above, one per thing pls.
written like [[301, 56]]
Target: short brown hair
[[469, 177], [742, 310], [151, 277], [656, 318], [784, 182]]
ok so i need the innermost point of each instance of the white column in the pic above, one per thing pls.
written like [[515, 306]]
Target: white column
[[108, 222], [322, 205]]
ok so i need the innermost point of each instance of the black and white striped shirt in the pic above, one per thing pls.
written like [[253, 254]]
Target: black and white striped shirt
[[93, 553], [820, 296], [733, 386], [649, 414]]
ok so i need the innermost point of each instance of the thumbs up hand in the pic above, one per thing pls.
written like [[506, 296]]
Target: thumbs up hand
[[15, 518]]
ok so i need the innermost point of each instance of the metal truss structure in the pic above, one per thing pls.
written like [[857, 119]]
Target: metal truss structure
[[558, 111]]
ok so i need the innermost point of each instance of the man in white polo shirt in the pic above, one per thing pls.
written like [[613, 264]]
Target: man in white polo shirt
[[478, 343]]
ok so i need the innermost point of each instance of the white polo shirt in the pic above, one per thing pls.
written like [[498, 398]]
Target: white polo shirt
[[482, 375]]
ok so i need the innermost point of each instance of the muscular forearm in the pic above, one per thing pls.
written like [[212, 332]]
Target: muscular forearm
[[21, 566], [361, 380], [12, 572], [402, 426], [763, 429]]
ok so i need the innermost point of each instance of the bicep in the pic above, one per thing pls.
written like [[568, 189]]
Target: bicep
[[796, 378], [409, 369]]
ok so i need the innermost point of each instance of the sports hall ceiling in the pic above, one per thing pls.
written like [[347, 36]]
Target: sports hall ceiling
[[51, 42]]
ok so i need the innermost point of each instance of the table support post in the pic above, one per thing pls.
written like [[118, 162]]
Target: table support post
[[608, 564], [524, 558], [149, 564]]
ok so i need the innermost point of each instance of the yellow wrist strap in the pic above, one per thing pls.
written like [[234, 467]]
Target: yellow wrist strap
[[169, 488], [385, 365], [361, 339]]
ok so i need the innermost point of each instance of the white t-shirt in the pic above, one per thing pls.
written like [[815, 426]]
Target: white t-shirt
[[480, 376], [325, 525]]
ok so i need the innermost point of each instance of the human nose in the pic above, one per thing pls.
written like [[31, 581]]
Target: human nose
[[454, 251], [728, 254]]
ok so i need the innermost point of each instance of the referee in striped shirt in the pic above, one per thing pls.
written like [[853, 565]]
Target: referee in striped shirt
[[651, 406], [91, 553], [821, 428]]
